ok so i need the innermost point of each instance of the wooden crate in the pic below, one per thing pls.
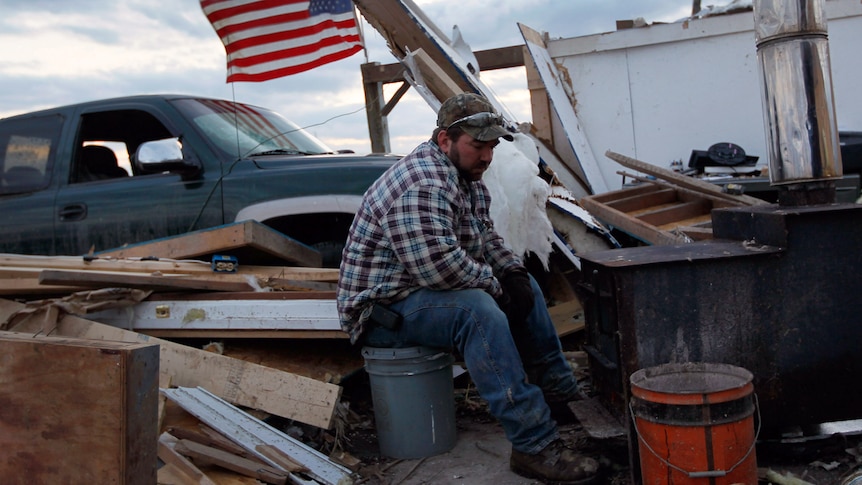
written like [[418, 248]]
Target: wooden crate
[[656, 214], [77, 411]]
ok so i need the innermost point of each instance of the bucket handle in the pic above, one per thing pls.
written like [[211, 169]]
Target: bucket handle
[[707, 473]]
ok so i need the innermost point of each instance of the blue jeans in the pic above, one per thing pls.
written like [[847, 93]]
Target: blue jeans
[[514, 379]]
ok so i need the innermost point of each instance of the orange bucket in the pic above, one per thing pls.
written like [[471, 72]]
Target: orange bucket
[[695, 424]]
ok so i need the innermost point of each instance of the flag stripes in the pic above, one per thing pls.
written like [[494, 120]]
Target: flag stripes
[[266, 39]]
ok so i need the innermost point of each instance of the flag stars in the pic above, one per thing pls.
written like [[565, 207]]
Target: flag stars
[[317, 7]]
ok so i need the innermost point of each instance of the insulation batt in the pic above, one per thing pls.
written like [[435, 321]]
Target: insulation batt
[[518, 198]]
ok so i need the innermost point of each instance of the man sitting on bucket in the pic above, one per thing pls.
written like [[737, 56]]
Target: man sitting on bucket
[[423, 266]]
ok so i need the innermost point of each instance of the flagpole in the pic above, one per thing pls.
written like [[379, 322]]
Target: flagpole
[[361, 29]]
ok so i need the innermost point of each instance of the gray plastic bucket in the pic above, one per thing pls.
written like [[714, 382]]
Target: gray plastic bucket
[[414, 401]]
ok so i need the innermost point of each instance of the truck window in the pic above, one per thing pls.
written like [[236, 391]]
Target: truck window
[[239, 130], [27, 150], [107, 142]]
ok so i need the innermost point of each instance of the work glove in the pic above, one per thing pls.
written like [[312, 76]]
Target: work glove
[[518, 300]]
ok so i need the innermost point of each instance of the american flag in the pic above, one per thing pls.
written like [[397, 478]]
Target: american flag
[[267, 39]]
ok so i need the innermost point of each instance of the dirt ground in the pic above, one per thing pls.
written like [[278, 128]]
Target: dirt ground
[[481, 453]]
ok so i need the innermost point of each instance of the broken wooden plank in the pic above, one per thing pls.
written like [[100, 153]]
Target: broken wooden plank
[[243, 383], [432, 76], [101, 279], [250, 432], [169, 455], [564, 110], [39, 280], [173, 282], [682, 180], [34, 264], [77, 411], [401, 27], [406, 29], [229, 461], [208, 437], [223, 240]]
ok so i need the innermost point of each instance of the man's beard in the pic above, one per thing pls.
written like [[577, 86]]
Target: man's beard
[[455, 157]]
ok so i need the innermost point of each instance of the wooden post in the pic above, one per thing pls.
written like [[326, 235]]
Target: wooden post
[[378, 124]]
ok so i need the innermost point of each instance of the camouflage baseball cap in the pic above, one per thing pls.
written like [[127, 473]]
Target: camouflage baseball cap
[[473, 114]]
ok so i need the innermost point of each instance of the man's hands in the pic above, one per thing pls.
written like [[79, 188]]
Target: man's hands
[[518, 300]]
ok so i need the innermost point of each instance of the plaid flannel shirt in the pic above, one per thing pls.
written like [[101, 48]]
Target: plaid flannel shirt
[[420, 225]]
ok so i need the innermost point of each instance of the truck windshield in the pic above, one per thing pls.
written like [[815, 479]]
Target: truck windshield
[[240, 130]]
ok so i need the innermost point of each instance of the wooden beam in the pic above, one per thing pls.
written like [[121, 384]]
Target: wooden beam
[[224, 239], [98, 279], [434, 77], [489, 60], [378, 125], [390, 105], [400, 26], [163, 265]]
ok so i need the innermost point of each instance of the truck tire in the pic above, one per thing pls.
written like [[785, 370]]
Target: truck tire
[[330, 252]]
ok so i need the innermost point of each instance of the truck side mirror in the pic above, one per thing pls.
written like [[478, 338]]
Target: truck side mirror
[[164, 156]]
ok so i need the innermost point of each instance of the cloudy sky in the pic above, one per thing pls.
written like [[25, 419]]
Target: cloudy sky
[[58, 52]]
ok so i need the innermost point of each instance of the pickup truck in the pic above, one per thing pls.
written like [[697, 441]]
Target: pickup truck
[[98, 175]]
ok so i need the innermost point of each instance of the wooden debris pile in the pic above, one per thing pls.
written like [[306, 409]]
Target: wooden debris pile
[[144, 295]]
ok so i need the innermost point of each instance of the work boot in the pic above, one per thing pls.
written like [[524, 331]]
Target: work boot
[[555, 465]]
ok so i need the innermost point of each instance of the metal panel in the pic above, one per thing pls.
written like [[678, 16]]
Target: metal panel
[[249, 432], [224, 315]]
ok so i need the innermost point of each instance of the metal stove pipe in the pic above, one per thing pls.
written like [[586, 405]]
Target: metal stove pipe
[[798, 104]]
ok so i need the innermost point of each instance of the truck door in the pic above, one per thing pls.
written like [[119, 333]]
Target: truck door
[[29, 147], [107, 202]]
